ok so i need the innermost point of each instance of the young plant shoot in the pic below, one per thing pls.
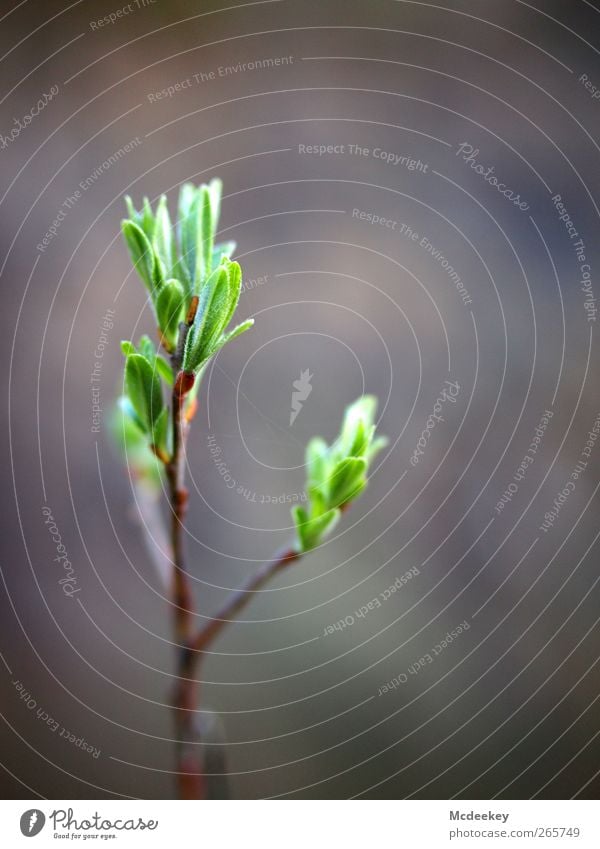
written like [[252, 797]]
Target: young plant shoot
[[194, 288]]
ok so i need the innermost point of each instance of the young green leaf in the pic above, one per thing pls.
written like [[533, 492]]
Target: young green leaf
[[142, 385], [212, 298], [146, 262], [164, 370], [132, 440], [234, 281], [133, 426], [310, 532], [225, 249], [337, 474], [375, 447], [316, 460], [188, 230], [215, 188], [143, 219], [162, 241], [160, 430], [227, 337], [170, 308], [146, 348], [345, 480], [147, 219], [205, 239]]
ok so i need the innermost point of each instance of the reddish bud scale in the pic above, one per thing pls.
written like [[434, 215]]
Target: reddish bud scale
[[191, 314], [183, 383]]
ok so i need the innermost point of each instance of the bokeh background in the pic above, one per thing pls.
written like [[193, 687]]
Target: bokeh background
[[509, 707]]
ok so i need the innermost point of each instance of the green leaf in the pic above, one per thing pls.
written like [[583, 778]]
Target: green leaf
[[134, 428], [188, 229], [300, 517], [215, 189], [376, 446], [143, 219], [160, 430], [184, 266], [146, 263], [318, 499], [363, 435], [234, 280], [142, 385], [170, 308], [205, 239], [227, 337], [127, 348], [187, 195], [346, 481], [132, 440], [316, 460], [131, 210], [311, 531], [225, 249], [162, 241], [146, 348], [146, 221], [208, 322], [359, 417], [164, 370]]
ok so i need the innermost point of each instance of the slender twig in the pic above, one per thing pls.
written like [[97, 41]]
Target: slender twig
[[191, 777], [191, 780], [175, 470], [240, 598]]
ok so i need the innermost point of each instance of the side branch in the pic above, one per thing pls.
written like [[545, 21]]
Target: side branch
[[241, 597], [175, 470]]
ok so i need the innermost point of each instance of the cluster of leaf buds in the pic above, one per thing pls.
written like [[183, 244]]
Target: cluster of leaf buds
[[337, 473], [194, 290]]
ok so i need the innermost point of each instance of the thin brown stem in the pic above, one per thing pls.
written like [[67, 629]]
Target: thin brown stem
[[191, 781], [240, 598], [190, 778], [190, 773], [175, 469]]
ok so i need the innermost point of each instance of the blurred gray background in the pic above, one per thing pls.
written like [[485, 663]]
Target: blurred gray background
[[508, 707]]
